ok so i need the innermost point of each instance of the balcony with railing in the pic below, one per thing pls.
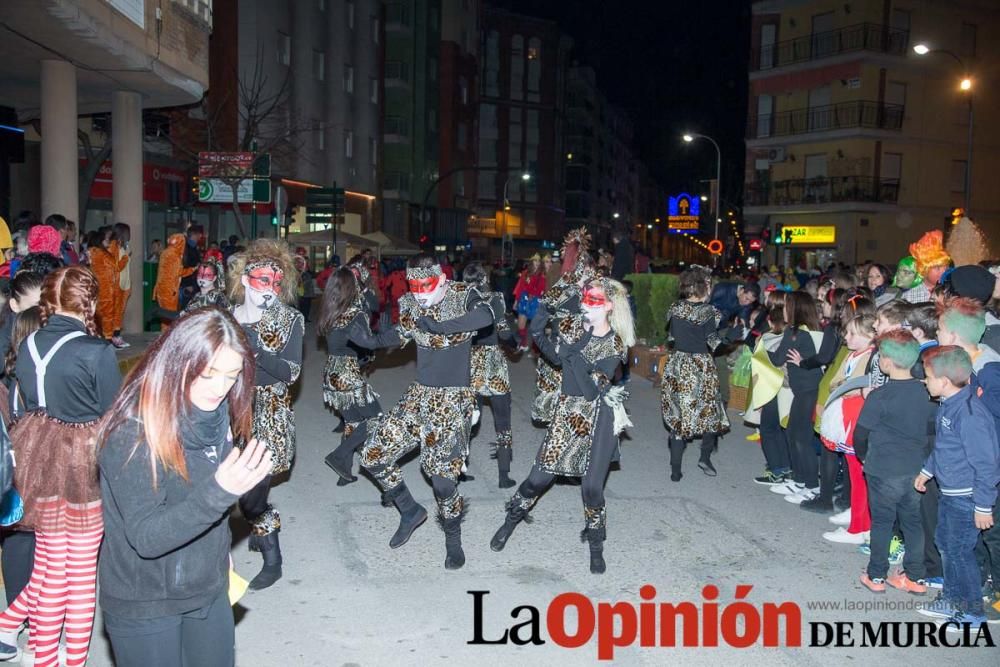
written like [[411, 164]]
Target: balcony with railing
[[858, 37], [823, 190], [846, 115]]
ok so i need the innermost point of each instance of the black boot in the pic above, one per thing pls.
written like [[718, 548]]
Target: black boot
[[504, 456], [341, 460], [596, 536], [411, 514], [517, 511], [270, 549], [455, 558], [340, 427], [708, 443], [676, 455]]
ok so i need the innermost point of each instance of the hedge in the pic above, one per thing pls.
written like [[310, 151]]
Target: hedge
[[654, 293]]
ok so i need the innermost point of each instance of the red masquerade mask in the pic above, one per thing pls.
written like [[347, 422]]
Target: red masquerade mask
[[424, 285], [594, 298], [265, 279], [205, 273]]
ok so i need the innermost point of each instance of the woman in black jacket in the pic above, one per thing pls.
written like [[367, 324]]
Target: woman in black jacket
[[169, 474]]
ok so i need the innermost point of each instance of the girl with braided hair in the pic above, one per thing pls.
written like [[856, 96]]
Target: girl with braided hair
[[582, 438], [67, 378], [262, 282]]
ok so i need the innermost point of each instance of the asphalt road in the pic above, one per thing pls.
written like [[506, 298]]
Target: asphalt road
[[347, 599]]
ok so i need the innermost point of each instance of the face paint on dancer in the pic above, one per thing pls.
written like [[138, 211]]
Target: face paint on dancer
[[595, 305], [263, 284], [206, 278], [428, 291]]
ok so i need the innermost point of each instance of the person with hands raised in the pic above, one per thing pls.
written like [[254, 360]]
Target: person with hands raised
[[170, 474]]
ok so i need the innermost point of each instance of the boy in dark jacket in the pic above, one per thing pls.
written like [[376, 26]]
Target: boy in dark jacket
[[966, 464]]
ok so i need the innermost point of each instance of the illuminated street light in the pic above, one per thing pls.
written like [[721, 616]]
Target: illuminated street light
[[688, 138], [615, 216], [921, 49], [704, 197], [569, 156], [966, 84], [525, 176]]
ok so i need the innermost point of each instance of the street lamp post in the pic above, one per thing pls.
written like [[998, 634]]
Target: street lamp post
[[688, 138], [525, 176], [964, 85], [427, 195]]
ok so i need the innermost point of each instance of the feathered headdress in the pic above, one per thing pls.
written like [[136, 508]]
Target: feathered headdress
[[929, 252], [576, 243], [966, 243]]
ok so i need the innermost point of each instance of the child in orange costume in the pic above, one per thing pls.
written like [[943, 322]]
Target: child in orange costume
[[119, 248], [106, 265], [169, 274]]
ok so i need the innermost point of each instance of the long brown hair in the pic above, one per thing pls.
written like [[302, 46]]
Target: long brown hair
[[155, 392], [71, 289], [26, 323], [800, 311], [340, 293]]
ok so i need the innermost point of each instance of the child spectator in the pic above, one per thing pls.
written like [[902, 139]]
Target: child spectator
[[889, 317], [890, 440], [966, 464]]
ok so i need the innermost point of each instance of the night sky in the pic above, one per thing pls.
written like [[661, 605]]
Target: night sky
[[673, 65]]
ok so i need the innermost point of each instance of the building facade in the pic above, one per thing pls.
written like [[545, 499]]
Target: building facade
[[65, 65], [412, 104], [850, 130], [524, 64]]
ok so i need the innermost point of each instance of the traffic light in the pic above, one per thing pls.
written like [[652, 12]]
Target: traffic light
[[274, 217], [765, 235], [779, 236], [957, 214], [788, 236]]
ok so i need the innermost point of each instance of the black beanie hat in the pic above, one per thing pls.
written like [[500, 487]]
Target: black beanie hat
[[973, 282]]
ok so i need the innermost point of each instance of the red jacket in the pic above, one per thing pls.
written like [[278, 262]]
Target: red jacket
[[533, 286]]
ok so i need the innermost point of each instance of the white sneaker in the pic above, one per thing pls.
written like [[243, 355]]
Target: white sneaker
[[786, 488], [841, 518], [802, 495], [841, 536]]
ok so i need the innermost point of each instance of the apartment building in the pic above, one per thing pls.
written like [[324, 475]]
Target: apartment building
[[857, 142]]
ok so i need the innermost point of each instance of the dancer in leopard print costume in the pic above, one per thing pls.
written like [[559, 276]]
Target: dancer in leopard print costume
[[490, 374], [262, 283], [345, 324], [561, 300], [582, 438], [436, 412]]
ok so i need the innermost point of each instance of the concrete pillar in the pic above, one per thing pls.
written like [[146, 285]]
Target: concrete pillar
[[60, 158], [126, 161]]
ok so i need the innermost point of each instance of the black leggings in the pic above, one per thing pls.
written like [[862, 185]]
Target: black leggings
[[773, 440], [677, 447], [358, 417], [501, 406], [253, 503], [602, 450], [805, 463], [204, 636], [18, 559]]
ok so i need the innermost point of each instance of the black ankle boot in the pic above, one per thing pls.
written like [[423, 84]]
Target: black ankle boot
[[504, 456], [676, 456], [675, 473], [340, 462], [411, 514], [270, 549], [596, 537], [516, 513], [708, 445], [455, 558]]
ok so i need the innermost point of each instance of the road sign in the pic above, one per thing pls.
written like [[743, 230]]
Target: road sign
[[248, 191], [756, 244], [226, 165], [715, 247]]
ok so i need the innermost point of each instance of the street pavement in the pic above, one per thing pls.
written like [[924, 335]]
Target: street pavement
[[347, 599]]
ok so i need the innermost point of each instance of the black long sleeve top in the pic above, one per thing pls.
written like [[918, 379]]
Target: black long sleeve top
[[491, 335], [81, 379], [166, 548], [356, 336], [586, 368], [800, 380], [828, 348], [443, 359], [694, 327], [277, 341]]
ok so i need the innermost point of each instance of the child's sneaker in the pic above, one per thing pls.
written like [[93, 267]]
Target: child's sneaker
[[787, 488], [876, 585], [901, 582], [956, 621], [841, 536], [896, 551], [934, 582], [841, 518], [754, 437], [771, 479], [938, 608]]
